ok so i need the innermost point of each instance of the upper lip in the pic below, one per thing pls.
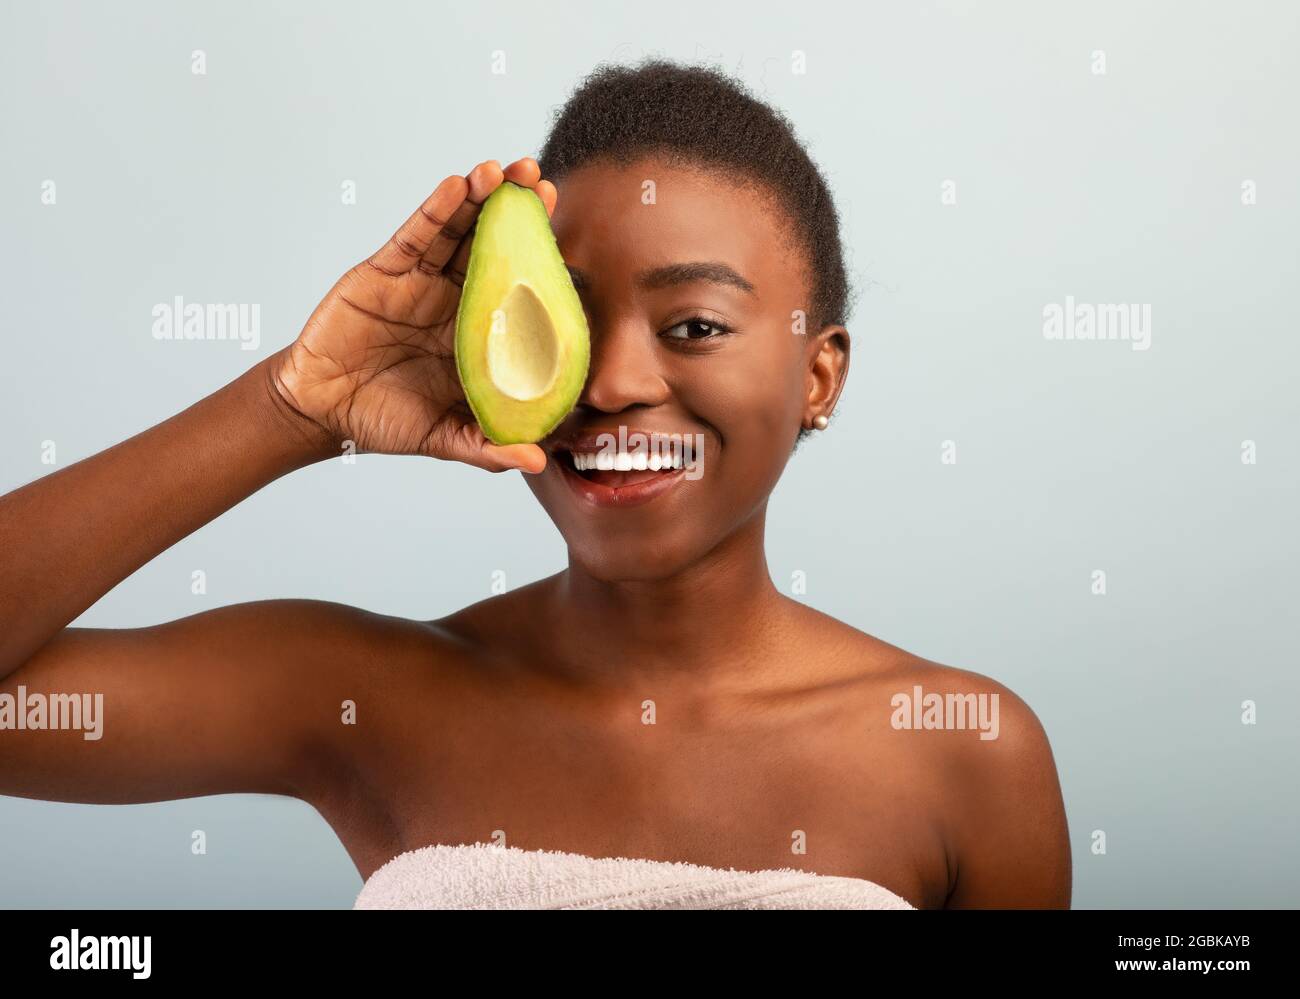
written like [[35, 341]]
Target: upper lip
[[594, 441]]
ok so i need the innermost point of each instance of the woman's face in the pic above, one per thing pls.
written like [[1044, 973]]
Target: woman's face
[[692, 288]]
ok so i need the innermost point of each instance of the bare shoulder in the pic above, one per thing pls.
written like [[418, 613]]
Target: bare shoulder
[[305, 640], [1006, 820], [997, 785], [350, 681], [363, 650], [308, 657]]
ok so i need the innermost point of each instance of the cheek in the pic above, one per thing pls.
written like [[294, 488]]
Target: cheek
[[752, 394], [754, 399]]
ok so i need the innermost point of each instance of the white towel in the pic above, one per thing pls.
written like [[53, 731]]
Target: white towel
[[490, 876]]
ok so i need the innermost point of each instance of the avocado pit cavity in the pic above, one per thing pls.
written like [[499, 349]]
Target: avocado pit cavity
[[522, 349]]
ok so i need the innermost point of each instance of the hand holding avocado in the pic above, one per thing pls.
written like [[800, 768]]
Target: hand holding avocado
[[375, 363]]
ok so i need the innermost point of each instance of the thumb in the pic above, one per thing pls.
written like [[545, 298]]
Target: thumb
[[503, 457]]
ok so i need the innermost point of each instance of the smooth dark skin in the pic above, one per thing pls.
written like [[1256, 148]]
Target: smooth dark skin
[[524, 713]]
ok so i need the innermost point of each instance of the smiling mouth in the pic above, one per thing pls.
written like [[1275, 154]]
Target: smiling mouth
[[605, 476], [617, 471]]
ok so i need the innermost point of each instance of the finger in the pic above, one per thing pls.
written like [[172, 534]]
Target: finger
[[524, 172], [459, 438], [501, 457], [481, 182], [423, 228], [525, 169], [549, 195], [526, 457], [459, 264]]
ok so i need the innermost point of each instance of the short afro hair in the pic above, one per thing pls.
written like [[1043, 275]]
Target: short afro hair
[[697, 115]]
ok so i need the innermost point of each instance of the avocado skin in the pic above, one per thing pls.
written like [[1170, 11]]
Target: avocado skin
[[514, 243]]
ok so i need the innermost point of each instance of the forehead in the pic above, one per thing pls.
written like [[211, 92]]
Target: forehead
[[612, 218]]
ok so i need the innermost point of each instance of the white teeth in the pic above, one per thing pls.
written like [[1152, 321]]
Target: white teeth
[[626, 461]]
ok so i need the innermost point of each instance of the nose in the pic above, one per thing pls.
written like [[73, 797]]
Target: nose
[[625, 370]]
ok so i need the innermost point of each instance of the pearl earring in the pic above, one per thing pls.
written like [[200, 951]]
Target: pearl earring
[[820, 422]]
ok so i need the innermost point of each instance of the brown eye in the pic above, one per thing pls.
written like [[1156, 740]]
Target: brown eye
[[693, 329]]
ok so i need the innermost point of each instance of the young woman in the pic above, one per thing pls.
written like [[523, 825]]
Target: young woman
[[658, 700]]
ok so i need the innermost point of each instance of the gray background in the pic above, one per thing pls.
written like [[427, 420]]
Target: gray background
[[1071, 456]]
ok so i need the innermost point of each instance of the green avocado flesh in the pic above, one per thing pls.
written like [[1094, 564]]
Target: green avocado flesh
[[522, 343]]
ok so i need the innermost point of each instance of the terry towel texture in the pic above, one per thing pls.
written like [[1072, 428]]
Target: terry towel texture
[[489, 876]]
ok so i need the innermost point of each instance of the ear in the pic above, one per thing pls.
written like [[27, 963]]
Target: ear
[[828, 366]]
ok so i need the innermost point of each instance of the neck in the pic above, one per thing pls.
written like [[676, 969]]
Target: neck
[[707, 625]]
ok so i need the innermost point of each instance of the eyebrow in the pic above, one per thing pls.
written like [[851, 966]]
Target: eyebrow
[[674, 274]]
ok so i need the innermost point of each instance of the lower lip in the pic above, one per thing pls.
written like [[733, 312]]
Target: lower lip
[[621, 496]]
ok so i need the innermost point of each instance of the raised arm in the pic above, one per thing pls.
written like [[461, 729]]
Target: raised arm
[[199, 706]]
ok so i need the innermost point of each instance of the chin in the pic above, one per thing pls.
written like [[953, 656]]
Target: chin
[[643, 561], [644, 542]]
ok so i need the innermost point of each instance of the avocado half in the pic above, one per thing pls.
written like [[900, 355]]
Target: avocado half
[[522, 343]]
